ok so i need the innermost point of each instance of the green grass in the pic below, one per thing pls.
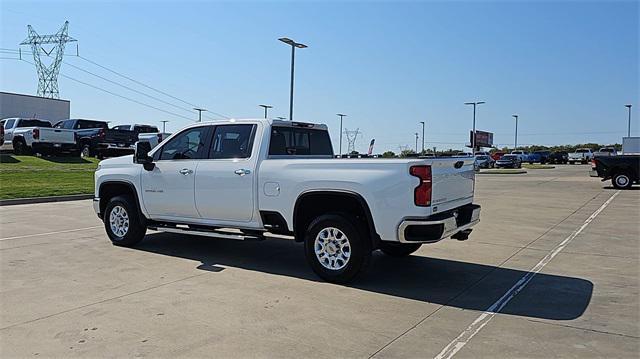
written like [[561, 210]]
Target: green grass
[[537, 166], [30, 176]]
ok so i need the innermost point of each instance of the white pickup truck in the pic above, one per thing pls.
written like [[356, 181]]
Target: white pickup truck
[[30, 135], [582, 155], [249, 179]]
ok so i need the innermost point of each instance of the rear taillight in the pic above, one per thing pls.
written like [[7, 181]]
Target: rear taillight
[[36, 133], [593, 163], [422, 193]]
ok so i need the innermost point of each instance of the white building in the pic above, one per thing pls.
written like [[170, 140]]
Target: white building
[[19, 105]]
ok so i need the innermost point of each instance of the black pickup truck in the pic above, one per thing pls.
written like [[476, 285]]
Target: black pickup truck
[[623, 170], [94, 138]]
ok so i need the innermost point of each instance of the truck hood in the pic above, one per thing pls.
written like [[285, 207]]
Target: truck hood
[[117, 161]]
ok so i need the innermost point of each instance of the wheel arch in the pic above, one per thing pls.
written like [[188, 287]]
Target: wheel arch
[[110, 189], [310, 204]]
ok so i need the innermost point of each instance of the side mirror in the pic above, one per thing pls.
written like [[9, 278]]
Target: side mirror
[[141, 155]]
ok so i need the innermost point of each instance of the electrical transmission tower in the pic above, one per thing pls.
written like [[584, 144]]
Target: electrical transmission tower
[[48, 74], [351, 139]]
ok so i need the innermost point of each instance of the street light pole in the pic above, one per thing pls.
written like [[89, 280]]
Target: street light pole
[[200, 110], [629, 124], [293, 45], [164, 122], [416, 142], [515, 143], [473, 137], [266, 107], [341, 116], [422, 122]]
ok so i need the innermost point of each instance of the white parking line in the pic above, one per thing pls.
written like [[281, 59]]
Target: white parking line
[[48, 233], [461, 340]]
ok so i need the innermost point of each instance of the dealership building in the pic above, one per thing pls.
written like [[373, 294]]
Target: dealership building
[[28, 106]]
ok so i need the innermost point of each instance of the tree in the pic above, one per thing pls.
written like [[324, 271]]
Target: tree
[[406, 153], [389, 154]]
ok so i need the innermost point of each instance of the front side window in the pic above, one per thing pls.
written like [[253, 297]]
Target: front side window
[[189, 144], [83, 124], [9, 124], [146, 129], [33, 123], [232, 141], [299, 141]]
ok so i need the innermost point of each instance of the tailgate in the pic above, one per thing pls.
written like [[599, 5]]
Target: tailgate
[[453, 182], [56, 135], [120, 137]]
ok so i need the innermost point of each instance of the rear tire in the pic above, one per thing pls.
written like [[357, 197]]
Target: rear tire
[[335, 249], [122, 222], [85, 151], [394, 249], [621, 180]]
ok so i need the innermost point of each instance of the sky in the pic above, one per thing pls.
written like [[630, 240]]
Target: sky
[[566, 68]]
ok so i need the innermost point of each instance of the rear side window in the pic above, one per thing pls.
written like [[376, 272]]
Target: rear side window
[[33, 123], [232, 141], [299, 141], [83, 124], [146, 129]]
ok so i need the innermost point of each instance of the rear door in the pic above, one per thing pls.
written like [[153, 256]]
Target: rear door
[[168, 189], [225, 182], [453, 181]]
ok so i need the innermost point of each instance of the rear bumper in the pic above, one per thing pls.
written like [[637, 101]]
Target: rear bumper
[[53, 147], [436, 228], [593, 173], [109, 149]]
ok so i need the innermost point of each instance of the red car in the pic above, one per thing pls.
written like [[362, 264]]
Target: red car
[[497, 155]]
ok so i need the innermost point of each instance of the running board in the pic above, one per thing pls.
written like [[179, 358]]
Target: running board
[[208, 233]]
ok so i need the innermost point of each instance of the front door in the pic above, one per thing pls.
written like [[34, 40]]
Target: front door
[[225, 182], [168, 189]]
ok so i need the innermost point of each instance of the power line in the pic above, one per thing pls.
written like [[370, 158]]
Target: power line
[[16, 52]]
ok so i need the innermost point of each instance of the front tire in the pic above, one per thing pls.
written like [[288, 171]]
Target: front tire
[[20, 148], [394, 249], [621, 181], [122, 222], [335, 249]]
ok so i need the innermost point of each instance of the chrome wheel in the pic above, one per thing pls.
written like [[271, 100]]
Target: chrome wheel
[[332, 248], [622, 180], [119, 221]]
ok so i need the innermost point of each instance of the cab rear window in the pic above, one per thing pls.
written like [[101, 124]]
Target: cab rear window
[[292, 141]]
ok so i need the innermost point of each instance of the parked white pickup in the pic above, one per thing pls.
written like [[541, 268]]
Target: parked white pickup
[[27, 135], [263, 177], [582, 155]]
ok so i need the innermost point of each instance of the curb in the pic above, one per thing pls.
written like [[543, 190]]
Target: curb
[[518, 172], [15, 201]]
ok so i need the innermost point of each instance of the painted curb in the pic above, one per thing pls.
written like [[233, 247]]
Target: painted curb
[[16, 201]]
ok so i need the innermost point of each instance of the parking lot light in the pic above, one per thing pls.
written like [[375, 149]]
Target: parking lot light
[[515, 143], [629, 124], [293, 45], [266, 108]]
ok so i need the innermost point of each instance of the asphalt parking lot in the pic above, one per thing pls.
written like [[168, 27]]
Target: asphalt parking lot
[[66, 291]]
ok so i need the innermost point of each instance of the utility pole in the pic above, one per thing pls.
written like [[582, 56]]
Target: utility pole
[[515, 143], [629, 125], [351, 139], [473, 137], [341, 116], [422, 122], [164, 122], [266, 108], [416, 142], [293, 45], [199, 113], [48, 75]]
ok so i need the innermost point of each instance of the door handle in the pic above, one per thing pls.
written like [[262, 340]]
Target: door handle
[[241, 172], [186, 171]]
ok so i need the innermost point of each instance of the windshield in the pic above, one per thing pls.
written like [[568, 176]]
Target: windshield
[[482, 157], [34, 123], [509, 157], [607, 150], [582, 151]]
